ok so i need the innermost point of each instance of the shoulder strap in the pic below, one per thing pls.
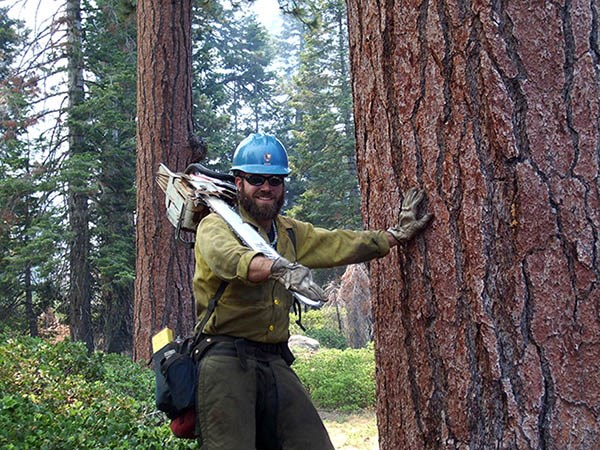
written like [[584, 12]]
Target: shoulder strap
[[292, 234], [212, 304]]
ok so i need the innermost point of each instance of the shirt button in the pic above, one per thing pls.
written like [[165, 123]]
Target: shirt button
[[276, 301], [271, 327]]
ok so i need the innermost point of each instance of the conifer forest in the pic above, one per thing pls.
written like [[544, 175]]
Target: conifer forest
[[485, 329]]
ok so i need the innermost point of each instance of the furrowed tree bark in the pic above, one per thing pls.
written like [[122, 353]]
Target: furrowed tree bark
[[488, 325], [163, 295]]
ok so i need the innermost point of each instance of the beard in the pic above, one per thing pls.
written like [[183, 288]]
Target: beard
[[260, 212]]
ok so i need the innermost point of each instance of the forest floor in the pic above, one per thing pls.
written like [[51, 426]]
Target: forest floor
[[356, 431]]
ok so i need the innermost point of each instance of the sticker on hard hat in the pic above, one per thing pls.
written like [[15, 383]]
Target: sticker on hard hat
[[267, 158]]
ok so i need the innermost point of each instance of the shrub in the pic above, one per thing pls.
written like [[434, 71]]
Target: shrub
[[322, 325], [57, 396], [339, 379]]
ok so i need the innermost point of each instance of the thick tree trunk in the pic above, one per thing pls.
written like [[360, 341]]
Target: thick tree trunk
[[163, 286], [488, 326], [80, 287]]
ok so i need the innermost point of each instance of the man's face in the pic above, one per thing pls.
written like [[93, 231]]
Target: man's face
[[262, 201]]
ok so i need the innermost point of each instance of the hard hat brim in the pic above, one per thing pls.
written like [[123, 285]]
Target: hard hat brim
[[262, 169]]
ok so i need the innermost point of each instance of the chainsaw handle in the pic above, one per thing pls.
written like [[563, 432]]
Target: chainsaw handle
[[199, 168]]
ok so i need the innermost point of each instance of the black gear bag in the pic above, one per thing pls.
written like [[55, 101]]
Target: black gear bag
[[176, 372]]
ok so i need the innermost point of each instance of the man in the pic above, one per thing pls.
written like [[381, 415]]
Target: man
[[248, 397]]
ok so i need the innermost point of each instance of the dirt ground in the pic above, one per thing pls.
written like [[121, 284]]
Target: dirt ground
[[352, 431]]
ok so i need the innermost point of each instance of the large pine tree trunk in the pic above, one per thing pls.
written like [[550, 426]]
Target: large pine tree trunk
[[163, 295], [488, 326]]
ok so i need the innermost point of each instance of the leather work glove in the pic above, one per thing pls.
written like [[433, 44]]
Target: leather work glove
[[408, 224], [297, 278]]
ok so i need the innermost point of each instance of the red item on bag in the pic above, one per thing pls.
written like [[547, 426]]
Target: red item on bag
[[184, 425]]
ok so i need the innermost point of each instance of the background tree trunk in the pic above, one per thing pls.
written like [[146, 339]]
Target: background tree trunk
[[118, 324], [80, 292], [163, 286], [355, 294], [487, 327]]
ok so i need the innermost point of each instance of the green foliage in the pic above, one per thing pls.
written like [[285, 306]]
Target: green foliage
[[233, 86], [322, 325], [110, 33], [9, 40], [339, 379], [58, 396], [323, 187], [323, 138], [328, 337], [30, 235], [27, 266]]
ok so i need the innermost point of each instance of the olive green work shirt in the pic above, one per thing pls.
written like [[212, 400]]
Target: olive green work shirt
[[260, 311]]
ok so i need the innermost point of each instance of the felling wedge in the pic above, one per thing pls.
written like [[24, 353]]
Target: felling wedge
[[192, 195]]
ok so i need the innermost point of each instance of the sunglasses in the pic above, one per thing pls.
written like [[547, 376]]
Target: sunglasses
[[259, 180]]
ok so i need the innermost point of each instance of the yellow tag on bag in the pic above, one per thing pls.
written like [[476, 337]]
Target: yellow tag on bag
[[162, 338]]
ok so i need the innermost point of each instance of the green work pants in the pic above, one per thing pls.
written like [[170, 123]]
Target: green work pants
[[255, 405]]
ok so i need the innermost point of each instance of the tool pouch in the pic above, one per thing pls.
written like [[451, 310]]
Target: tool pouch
[[176, 378]]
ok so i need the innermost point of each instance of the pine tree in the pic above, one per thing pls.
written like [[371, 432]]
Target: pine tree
[[211, 121], [233, 80], [323, 145], [486, 326], [28, 227], [97, 176], [79, 168], [109, 30]]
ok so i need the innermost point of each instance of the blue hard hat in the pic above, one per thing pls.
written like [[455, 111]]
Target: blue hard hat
[[261, 153]]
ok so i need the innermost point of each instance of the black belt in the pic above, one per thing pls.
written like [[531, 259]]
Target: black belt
[[242, 348]]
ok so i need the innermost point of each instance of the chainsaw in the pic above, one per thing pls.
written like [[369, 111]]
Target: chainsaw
[[191, 195]]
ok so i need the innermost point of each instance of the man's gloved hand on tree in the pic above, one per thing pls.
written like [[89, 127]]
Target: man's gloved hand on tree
[[408, 224]]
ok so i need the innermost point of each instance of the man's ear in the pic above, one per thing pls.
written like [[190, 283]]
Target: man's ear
[[238, 182]]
